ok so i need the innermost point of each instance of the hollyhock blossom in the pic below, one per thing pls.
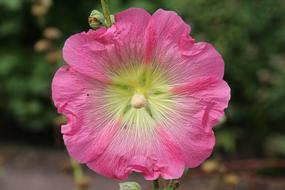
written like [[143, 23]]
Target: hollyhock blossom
[[140, 96]]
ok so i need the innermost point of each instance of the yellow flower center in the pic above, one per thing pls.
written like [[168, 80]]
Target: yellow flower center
[[139, 95]]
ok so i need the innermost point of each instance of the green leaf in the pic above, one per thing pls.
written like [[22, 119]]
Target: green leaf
[[130, 186]]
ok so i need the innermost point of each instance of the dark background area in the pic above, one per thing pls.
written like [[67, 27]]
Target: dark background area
[[250, 35]]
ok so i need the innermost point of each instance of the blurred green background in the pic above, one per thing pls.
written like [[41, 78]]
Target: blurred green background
[[249, 34]]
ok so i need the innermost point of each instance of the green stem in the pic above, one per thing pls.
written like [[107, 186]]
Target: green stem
[[77, 172], [155, 184], [170, 183], [173, 184], [106, 12]]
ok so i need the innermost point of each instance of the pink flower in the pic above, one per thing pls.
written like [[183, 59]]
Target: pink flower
[[141, 96]]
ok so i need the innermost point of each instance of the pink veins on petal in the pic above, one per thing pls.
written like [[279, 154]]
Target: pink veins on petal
[[141, 96]]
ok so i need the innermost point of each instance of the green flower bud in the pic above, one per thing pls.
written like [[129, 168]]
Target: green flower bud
[[96, 19], [130, 186]]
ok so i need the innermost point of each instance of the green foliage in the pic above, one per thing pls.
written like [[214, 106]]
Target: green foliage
[[227, 140], [11, 5], [275, 145], [25, 89], [249, 34]]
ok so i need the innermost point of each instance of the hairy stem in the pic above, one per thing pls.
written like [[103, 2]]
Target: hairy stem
[[106, 12]]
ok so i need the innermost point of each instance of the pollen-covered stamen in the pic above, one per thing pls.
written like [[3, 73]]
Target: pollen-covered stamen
[[138, 101]]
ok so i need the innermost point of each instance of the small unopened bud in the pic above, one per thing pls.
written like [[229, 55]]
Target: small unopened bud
[[42, 45], [130, 186], [52, 33], [96, 19], [39, 10], [231, 179], [138, 101], [210, 166], [83, 183]]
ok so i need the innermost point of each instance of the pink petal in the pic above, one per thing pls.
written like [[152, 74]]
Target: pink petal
[[169, 45], [130, 25], [151, 154], [206, 97], [164, 28], [128, 31], [88, 132], [201, 105], [194, 142], [86, 53], [97, 53], [201, 60]]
